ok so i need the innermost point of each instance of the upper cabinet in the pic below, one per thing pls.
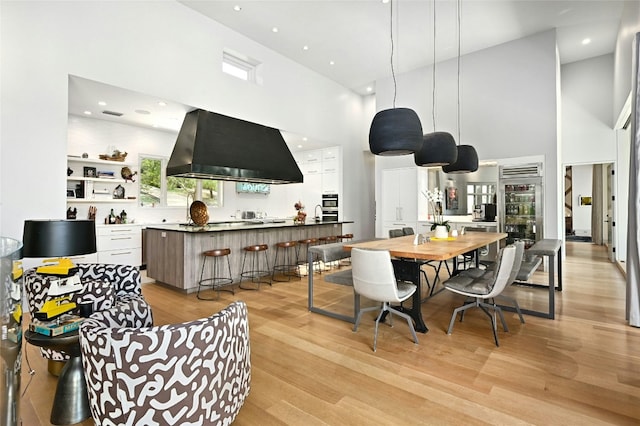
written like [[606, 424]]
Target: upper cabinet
[[100, 181], [332, 170], [322, 170]]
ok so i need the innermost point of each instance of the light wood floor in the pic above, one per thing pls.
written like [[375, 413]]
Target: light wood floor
[[582, 368]]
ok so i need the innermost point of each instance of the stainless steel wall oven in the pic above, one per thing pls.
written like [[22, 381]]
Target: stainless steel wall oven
[[330, 207]]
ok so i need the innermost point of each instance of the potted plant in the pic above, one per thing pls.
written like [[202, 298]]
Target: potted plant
[[439, 225]]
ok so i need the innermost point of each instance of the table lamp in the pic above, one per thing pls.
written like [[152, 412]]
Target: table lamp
[[54, 240]]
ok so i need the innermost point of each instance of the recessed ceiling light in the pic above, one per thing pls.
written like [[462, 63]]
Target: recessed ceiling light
[[274, 29], [237, 8], [102, 103], [87, 112], [331, 63], [143, 111], [385, 1], [305, 47], [369, 89], [304, 138], [299, 146], [586, 41], [162, 103]]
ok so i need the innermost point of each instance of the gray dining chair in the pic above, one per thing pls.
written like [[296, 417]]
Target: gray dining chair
[[481, 292], [373, 278], [490, 269], [394, 233]]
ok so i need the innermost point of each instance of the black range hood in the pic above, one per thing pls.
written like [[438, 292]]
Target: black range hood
[[215, 146]]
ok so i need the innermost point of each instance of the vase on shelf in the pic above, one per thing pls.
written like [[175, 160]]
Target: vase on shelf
[[441, 231]]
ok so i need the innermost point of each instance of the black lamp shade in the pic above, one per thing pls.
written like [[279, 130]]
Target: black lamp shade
[[58, 238], [438, 149], [467, 161], [395, 131]]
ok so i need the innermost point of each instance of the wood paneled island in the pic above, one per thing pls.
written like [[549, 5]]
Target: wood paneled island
[[174, 252]]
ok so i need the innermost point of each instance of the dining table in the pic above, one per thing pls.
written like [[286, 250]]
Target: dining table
[[409, 253]]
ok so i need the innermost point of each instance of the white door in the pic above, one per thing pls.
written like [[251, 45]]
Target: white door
[[610, 216]]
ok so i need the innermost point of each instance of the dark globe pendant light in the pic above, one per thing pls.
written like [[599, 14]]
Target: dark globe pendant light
[[395, 131], [467, 161], [438, 149]]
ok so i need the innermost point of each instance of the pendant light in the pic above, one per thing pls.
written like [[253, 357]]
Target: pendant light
[[438, 148], [467, 161], [395, 131]]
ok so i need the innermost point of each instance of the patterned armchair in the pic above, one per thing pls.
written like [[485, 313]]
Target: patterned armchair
[[197, 372], [107, 286]]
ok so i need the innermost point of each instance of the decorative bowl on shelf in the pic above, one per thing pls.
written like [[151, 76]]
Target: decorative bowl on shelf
[[116, 156]]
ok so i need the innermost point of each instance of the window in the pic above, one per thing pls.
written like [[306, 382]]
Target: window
[[156, 189], [240, 66], [479, 193]]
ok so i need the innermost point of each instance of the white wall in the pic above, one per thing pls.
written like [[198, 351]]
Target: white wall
[[508, 102], [587, 101], [581, 185], [162, 49], [629, 26]]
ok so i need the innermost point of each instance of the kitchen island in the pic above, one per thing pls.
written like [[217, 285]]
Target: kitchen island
[[174, 252]]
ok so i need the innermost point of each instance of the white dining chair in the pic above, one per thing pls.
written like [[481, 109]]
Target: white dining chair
[[373, 278]]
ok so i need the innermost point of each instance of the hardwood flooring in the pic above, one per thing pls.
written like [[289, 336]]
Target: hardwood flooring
[[581, 368]]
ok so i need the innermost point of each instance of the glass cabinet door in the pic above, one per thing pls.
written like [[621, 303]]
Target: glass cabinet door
[[520, 213]]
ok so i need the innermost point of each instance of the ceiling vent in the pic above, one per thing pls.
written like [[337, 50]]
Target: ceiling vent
[[521, 171], [114, 113]]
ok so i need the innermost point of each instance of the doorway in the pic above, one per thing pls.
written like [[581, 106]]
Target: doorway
[[589, 204]]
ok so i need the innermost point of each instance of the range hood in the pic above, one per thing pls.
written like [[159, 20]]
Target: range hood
[[215, 146]]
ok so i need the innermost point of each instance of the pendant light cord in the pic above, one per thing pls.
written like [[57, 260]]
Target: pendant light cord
[[393, 74], [433, 73], [459, 43]]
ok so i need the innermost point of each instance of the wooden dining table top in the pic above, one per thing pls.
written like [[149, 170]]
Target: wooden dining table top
[[436, 249]]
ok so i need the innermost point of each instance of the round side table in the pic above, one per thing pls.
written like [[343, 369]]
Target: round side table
[[71, 401]]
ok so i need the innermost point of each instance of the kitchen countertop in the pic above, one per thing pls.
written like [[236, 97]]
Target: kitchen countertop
[[238, 225]]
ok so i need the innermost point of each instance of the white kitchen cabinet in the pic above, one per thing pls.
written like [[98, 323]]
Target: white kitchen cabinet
[[399, 195], [331, 170], [322, 170], [119, 244], [399, 205]]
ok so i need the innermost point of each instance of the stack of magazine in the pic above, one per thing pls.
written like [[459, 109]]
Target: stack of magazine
[[63, 324]]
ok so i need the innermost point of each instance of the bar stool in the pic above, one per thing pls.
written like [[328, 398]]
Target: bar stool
[[307, 242], [345, 238], [259, 266], [216, 281], [286, 252], [328, 240]]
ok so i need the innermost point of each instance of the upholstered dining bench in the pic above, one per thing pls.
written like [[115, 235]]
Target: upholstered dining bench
[[528, 267], [330, 253]]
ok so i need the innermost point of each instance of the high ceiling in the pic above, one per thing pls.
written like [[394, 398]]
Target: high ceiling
[[355, 34]]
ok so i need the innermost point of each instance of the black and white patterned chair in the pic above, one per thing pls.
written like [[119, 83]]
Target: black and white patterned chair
[[105, 285], [196, 373]]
